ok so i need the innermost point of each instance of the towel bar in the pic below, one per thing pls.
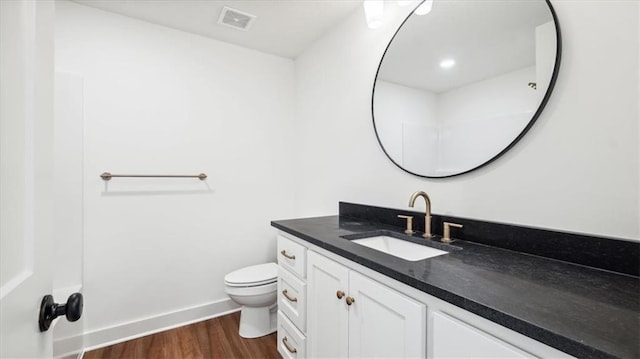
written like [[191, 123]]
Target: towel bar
[[108, 176]]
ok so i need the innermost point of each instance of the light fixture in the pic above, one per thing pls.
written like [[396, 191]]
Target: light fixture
[[424, 8], [373, 11], [404, 2], [447, 63]]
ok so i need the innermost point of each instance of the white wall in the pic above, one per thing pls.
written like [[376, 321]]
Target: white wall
[[158, 100], [576, 170]]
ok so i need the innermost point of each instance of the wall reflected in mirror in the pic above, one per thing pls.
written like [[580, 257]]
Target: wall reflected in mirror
[[458, 86]]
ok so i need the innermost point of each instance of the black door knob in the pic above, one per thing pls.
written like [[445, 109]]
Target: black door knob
[[49, 310]]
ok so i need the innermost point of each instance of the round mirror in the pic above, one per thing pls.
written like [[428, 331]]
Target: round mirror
[[460, 85]]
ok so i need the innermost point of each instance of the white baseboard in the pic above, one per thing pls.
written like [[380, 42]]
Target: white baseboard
[[67, 348], [99, 338]]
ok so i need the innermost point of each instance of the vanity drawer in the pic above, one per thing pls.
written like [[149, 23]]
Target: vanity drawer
[[292, 256], [292, 298], [291, 342]]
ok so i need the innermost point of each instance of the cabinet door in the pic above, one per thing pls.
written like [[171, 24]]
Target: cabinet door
[[384, 323], [327, 316], [452, 338]]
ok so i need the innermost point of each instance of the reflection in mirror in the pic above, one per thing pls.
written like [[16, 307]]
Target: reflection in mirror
[[459, 86]]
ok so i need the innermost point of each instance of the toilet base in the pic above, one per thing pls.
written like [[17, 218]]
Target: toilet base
[[257, 322]]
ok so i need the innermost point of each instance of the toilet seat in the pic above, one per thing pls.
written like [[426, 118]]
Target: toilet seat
[[261, 274]]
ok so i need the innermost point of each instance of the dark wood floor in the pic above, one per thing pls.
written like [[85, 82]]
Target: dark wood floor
[[213, 338]]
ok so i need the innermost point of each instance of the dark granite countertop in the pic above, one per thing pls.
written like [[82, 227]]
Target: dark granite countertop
[[583, 311]]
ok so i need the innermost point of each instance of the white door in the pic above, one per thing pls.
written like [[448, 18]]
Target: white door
[[327, 315], [26, 174], [384, 323]]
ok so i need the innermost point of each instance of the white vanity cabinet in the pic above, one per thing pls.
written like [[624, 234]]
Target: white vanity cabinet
[[378, 322], [386, 318], [292, 298]]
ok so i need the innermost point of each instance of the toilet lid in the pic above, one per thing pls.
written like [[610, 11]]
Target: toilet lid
[[253, 275]]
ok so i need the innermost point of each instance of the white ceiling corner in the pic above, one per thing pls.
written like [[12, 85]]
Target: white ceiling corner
[[282, 27]]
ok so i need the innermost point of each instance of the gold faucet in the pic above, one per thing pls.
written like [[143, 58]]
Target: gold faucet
[[427, 215]]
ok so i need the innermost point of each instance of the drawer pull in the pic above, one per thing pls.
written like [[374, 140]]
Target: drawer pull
[[289, 348], [339, 294], [284, 253], [291, 299], [350, 300]]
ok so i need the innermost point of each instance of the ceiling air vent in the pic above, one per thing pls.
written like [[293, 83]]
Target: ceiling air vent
[[235, 19]]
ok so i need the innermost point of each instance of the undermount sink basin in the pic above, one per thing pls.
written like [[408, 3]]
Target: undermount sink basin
[[384, 242]]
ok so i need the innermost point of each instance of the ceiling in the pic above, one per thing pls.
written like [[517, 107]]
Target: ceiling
[[486, 38], [282, 27]]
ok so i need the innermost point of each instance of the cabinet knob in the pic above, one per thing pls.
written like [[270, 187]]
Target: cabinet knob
[[350, 300], [339, 294]]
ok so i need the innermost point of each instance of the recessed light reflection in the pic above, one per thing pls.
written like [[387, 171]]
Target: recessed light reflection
[[447, 63]]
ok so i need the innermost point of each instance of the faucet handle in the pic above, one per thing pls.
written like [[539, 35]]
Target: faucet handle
[[446, 237], [409, 219]]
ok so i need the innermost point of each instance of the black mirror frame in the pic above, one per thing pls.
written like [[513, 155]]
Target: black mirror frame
[[545, 99]]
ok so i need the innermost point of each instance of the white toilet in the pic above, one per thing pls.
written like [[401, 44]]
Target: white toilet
[[255, 289]]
